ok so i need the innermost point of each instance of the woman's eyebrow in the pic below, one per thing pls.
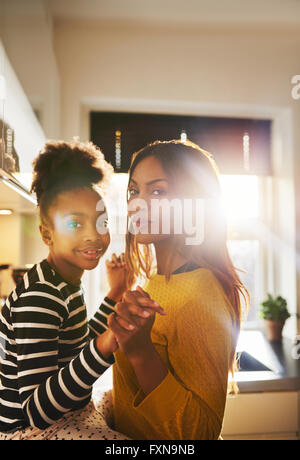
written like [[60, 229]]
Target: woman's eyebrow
[[150, 182]]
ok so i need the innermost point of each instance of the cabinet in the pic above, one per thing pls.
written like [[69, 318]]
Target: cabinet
[[273, 415]]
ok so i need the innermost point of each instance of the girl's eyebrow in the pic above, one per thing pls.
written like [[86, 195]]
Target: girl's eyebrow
[[81, 214], [150, 182]]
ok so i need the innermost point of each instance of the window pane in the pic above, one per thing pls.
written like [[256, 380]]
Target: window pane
[[245, 256], [240, 196]]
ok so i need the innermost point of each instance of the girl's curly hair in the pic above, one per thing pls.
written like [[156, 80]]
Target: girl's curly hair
[[63, 166]]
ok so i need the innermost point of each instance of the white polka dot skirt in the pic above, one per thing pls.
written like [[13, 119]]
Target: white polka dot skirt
[[87, 423]]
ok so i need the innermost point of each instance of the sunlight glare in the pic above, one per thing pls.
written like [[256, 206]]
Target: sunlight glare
[[240, 196]]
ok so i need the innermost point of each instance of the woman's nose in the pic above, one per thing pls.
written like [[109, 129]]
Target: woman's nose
[[140, 205]]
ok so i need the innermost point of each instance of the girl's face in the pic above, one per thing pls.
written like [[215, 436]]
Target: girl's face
[[78, 235], [149, 184]]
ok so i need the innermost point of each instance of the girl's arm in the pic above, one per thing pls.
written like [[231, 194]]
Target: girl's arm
[[117, 276], [47, 387]]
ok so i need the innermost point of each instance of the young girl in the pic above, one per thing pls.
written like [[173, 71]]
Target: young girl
[[50, 356], [170, 380]]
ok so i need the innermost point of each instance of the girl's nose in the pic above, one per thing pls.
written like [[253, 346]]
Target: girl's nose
[[96, 232]]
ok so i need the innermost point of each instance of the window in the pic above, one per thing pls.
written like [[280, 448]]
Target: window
[[239, 145]]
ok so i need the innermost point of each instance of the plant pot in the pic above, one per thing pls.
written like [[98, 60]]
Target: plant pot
[[274, 329]]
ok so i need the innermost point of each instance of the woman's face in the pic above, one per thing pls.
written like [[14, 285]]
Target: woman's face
[[78, 234], [149, 196]]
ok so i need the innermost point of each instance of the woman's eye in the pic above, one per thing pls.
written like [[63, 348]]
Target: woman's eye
[[158, 192]]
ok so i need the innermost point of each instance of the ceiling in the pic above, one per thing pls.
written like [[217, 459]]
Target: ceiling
[[185, 12]]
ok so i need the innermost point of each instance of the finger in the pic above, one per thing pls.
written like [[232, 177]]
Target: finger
[[144, 312], [130, 312], [122, 311], [141, 290], [124, 324], [114, 325], [147, 296], [116, 260], [137, 299], [109, 263]]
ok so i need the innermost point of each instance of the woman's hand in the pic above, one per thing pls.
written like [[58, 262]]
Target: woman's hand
[[117, 276], [138, 310]]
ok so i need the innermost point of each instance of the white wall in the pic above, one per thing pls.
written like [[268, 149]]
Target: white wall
[[96, 60], [18, 114], [26, 32]]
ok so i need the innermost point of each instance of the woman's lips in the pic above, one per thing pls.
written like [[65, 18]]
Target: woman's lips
[[142, 223]]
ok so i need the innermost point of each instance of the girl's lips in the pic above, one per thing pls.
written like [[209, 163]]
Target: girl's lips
[[91, 254]]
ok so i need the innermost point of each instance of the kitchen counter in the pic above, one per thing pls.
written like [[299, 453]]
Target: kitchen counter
[[282, 371]]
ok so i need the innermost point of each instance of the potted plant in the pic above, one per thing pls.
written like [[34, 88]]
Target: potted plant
[[275, 313]]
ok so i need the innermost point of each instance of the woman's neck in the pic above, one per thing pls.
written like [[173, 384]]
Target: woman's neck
[[163, 250], [68, 272]]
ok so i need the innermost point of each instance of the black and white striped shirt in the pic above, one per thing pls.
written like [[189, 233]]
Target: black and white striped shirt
[[48, 356]]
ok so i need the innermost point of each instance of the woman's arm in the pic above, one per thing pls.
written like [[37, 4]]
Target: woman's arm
[[187, 403], [136, 344]]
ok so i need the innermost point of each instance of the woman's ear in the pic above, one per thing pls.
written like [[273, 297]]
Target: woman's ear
[[46, 234]]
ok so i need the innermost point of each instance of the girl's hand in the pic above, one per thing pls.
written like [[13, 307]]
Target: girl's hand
[[117, 276], [106, 343], [138, 310]]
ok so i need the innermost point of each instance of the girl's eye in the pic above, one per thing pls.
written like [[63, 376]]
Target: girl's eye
[[104, 223], [73, 224], [132, 192]]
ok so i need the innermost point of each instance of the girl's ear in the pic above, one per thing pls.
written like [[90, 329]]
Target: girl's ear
[[46, 234]]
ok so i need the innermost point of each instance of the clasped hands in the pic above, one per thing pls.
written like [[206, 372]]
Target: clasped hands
[[131, 323]]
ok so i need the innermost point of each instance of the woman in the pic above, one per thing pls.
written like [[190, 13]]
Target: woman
[[171, 375]]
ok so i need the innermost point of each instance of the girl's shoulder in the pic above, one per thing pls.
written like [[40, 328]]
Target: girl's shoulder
[[37, 287]]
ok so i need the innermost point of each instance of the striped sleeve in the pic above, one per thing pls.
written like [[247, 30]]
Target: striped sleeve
[[46, 391], [98, 324]]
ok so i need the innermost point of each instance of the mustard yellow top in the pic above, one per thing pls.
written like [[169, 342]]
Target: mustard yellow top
[[195, 342]]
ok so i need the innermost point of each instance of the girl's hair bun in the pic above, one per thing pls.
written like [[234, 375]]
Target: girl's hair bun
[[61, 166]]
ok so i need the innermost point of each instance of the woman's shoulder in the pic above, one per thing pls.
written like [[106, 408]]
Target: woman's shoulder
[[206, 293], [200, 280]]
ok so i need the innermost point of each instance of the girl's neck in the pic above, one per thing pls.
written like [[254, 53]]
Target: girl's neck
[[68, 272], [162, 250]]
